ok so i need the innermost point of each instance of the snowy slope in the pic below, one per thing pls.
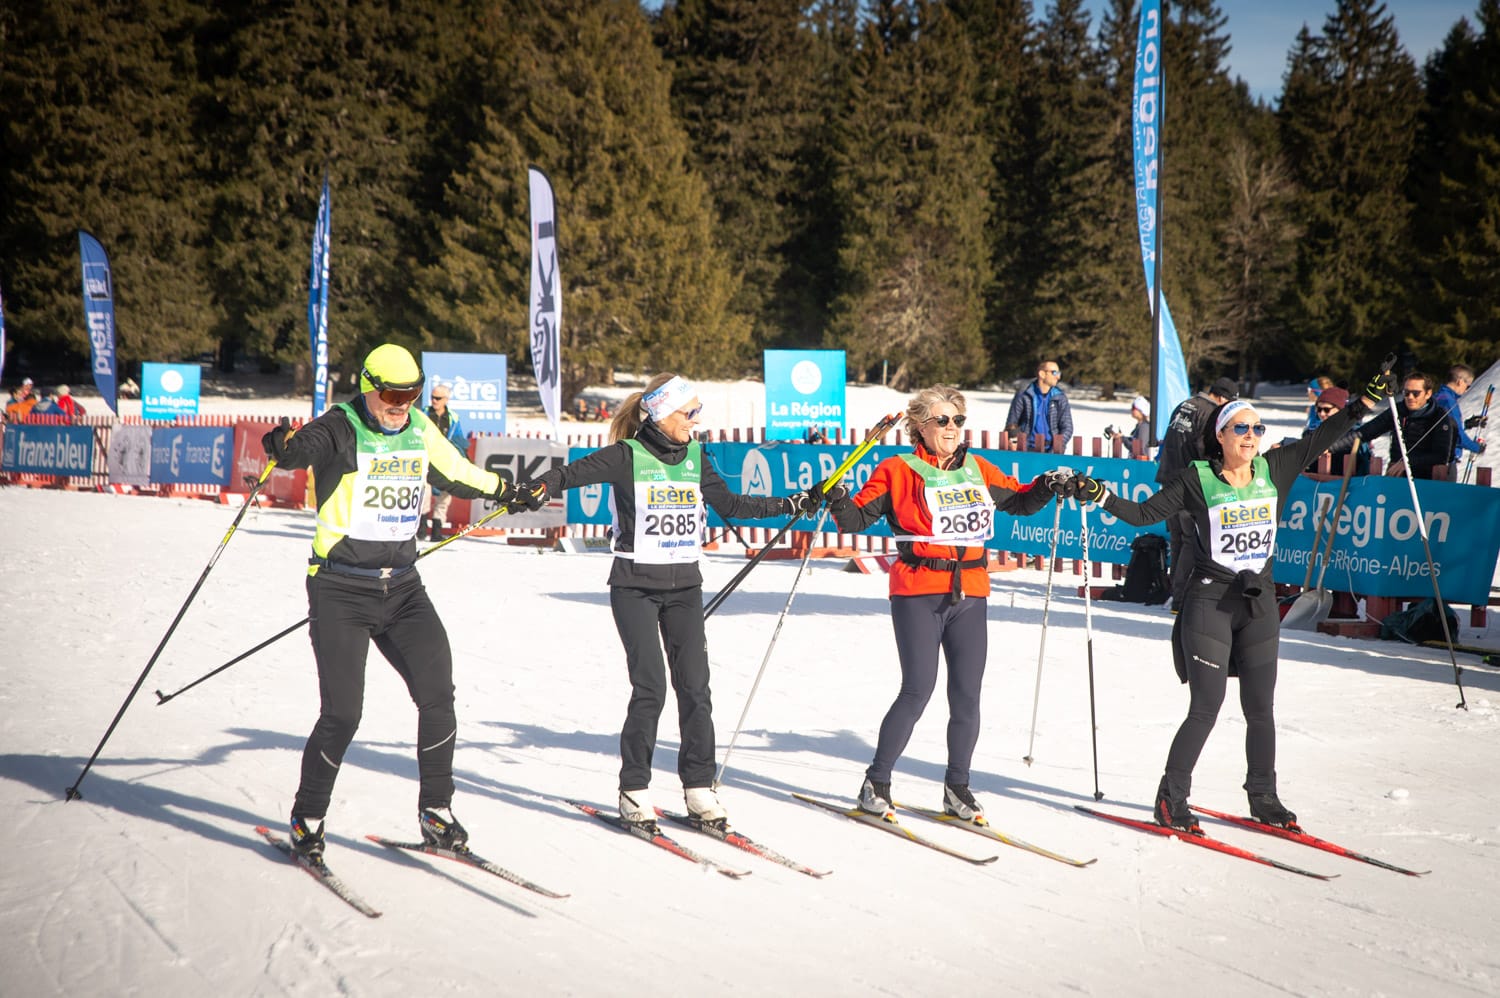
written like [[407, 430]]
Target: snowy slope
[[155, 884]]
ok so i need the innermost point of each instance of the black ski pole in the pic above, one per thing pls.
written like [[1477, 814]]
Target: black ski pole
[[162, 698], [1442, 608], [854, 456], [72, 792], [1088, 630], [1484, 412]]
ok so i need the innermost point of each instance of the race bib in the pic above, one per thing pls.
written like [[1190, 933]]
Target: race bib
[[963, 514], [1241, 522], [387, 502], [669, 514]]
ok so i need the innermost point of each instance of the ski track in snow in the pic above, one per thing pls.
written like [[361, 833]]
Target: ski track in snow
[[156, 884]]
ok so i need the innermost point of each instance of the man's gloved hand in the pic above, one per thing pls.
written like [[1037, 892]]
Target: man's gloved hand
[[1380, 387], [504, 493], [806, 502], [1060, 482], [529, 496], [1476, 421], [275, 440], [1088, 489]]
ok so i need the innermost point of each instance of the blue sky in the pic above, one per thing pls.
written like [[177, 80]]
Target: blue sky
[[1262, 32]]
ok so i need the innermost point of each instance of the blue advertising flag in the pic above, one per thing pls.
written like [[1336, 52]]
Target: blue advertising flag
[[2, 335], [99, 314], [1169, 370], [317, 302]]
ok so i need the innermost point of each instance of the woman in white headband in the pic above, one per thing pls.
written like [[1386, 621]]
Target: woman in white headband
[[1228, 624], [661, 483]]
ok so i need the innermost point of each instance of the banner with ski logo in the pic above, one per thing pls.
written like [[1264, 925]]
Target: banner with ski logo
[[1168, 368], [99, 313], [546, 296], [317, 303]]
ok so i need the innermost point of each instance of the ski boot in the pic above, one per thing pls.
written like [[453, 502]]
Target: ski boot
[[442, 830]]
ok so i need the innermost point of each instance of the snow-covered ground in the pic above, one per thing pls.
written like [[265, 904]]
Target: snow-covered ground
[[155, 884]]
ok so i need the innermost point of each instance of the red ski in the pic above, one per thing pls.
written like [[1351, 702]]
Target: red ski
[[1308, 840], [1204, 841]]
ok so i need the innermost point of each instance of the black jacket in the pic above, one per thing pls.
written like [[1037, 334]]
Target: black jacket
[[1185, 492], [614, 465], [1183, 442], [1429, 433]]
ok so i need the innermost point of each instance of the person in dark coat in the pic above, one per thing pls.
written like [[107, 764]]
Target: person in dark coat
[[1427, 430], [1181, 446]]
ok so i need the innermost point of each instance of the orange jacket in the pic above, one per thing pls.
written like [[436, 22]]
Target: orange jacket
[[896, 493]]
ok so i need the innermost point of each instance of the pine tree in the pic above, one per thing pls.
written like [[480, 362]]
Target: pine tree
[[743, 91], [98, 102], [1455, 185], [583, 94], [1348, 114], [912, 175]]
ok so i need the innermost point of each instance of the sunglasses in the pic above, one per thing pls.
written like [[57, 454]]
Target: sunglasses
[[1240, 429], [958, 420], [692, 413], [440, 398], [1326, 410], [1052, 370], [1415, 394]]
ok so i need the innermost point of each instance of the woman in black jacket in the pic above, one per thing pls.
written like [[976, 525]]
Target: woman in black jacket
[[1229, 625], [661, 483]]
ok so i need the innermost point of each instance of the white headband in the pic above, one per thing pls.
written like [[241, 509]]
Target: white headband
[[1228, 413], [667, 399]]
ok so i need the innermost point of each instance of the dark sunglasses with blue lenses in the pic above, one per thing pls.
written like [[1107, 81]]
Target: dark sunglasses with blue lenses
[[944, 420], [1240, 429]]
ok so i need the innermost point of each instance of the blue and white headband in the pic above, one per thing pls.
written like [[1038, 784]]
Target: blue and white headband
[[1228, 413], [667, 399]]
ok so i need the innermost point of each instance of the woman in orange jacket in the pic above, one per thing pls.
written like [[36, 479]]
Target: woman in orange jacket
[[941, 502]]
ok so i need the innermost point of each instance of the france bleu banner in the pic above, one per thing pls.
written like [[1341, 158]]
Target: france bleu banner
[[99, 313], [804, 389], [317, 303], [546, 296], [1171, 386], [192, 455]]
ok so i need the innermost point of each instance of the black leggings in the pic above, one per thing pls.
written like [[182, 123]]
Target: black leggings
[[922, 625], [346, 614], [647, 619], [1217, 630]]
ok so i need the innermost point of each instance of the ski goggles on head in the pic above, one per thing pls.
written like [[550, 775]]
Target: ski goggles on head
[[394, 394]]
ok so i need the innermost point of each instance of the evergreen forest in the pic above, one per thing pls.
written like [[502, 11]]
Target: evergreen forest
[[943, 188]]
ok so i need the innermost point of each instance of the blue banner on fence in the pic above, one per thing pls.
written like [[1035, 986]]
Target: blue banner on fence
[[1378, 550], [170, 390], [804, 389], [48, 450], [192, 455]]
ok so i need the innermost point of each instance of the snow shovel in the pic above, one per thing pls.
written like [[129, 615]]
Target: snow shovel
[[1310, 609]]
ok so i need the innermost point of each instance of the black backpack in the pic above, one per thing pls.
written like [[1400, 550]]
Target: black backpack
[[1146, 575], [1418, 623]]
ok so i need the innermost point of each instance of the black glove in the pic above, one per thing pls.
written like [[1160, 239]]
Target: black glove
[[1474, 421], [275, 440], [504, 493], [531, 496], [1088, 489], [1380, 387], [1060, 482], [1482, 445], [836, 496], [806, 502]]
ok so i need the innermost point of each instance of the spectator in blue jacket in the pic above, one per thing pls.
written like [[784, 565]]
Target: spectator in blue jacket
[[1460, 377], [1041, 409], [447, 423]]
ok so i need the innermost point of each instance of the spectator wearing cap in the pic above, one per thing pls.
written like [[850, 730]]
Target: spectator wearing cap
[[1182, 445], [1142, 439], [1314, 389], [1330, 401], [22, 399], [70, 406], [1041, 409]]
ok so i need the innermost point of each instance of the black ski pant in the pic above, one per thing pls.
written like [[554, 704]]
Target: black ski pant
[[1217, 630], [346, 613], [649, 620], [923, 624]]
